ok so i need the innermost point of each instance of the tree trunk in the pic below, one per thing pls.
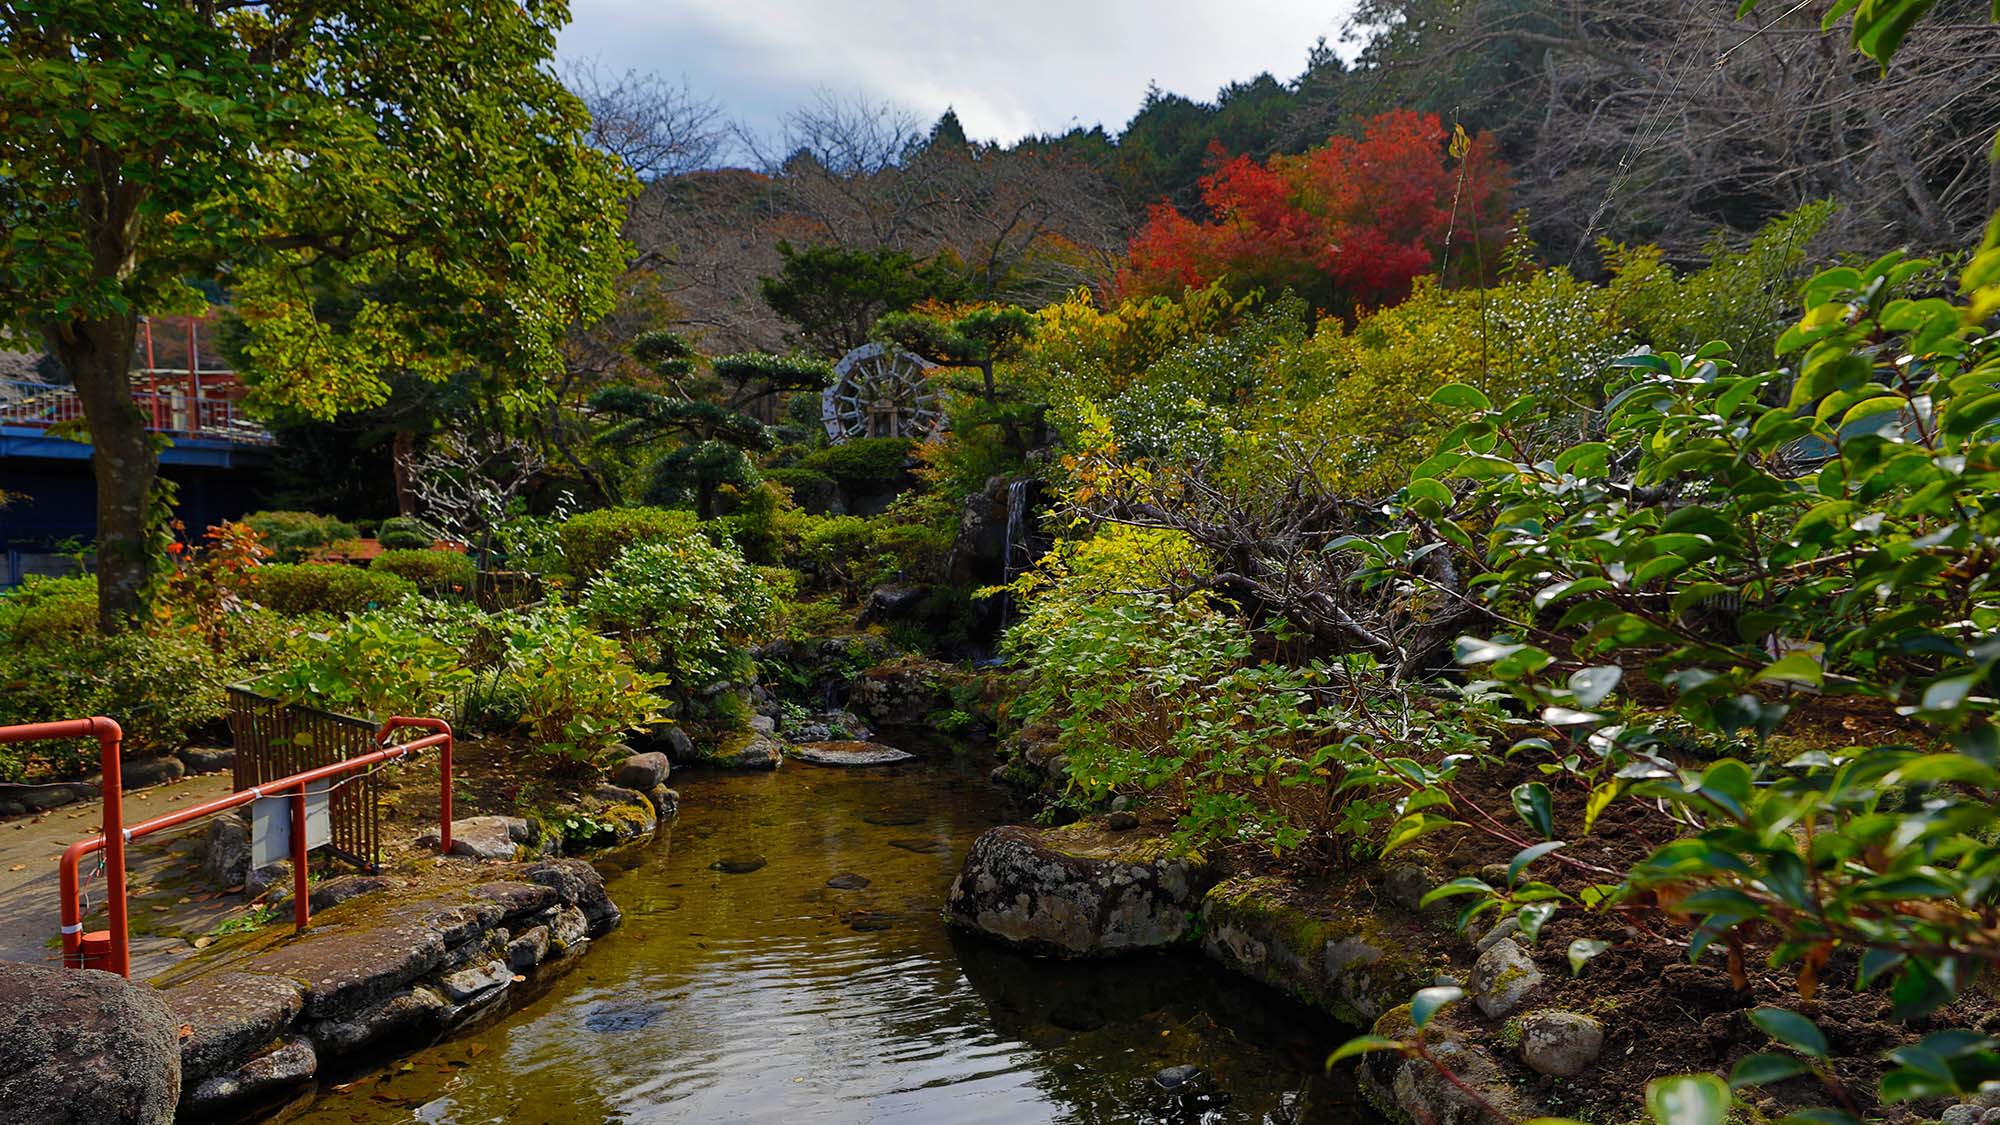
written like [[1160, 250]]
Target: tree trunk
[[403, 453], [98, 356]]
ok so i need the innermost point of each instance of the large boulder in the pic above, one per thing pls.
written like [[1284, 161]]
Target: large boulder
[[747, 750], [850, 753], [81, 1046], [486, 837], [904, 692], [1352, 963], [231, 1015], [642, 772], [1078, 891], [225, 850]]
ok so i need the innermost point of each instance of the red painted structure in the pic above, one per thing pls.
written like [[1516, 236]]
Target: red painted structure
[[110, 949], [184, 399]]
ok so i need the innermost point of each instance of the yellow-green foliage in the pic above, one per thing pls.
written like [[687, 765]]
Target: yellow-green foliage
[[1117, 558], [1363, 394], [1081, 350]]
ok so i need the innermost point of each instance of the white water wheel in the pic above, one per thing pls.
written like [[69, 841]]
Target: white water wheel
[[881, 391]]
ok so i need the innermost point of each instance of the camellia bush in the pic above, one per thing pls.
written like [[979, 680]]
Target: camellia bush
[[1759, 546]]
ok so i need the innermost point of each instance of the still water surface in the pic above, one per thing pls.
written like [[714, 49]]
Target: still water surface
[[768, 996]]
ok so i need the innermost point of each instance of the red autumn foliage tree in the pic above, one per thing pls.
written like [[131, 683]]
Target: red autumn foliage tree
[[1346, 226]]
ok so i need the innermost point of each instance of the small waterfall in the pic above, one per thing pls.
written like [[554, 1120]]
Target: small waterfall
[[1017, 515], [1017, 518]]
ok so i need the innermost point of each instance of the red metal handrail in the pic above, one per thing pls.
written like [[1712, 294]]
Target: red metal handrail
[[111, 949]]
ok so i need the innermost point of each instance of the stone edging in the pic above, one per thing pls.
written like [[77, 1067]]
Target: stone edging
[[138, 773]]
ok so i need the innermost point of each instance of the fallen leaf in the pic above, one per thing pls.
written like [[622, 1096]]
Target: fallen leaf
[[18, 867], [203, 942], [187, 1031]]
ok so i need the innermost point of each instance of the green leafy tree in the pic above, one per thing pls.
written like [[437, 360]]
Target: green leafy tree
[[415, 161], [980, 338], [832, 296]]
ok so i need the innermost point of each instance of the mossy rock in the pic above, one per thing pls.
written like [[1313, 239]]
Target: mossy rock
[[1079, 891], [1356, 965]]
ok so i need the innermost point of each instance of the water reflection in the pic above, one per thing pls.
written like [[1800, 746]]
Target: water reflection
[[770, 996]]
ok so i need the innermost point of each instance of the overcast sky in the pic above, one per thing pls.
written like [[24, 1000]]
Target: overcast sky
[[1009, 68]]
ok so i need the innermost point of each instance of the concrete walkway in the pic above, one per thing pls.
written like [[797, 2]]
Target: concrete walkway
[[170, 908]]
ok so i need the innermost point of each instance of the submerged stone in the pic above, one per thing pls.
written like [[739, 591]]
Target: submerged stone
[[612, 1016], [847, 881], [1177, 1078], [738, 865], [921, 847], [894, 818]]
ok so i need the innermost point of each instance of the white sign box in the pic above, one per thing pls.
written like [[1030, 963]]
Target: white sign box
[[271, 825]]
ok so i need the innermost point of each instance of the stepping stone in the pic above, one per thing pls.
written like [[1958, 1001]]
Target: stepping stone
[[738, 864], [850, 754], [894, 818]]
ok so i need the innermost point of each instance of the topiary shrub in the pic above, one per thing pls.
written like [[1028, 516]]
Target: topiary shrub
[[293, 535], [863, 462], [404, 534], [592, 541], [811, 489], [298, 588], [435, 573]]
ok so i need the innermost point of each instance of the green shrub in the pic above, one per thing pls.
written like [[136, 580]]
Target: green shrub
[[682, 607], [299, 588], [160, 684], [435, 573], [294, 535], [579, 695], [592, 541], [44, 609], [404, 534], [811, 489], [865, 462], [376, 664]]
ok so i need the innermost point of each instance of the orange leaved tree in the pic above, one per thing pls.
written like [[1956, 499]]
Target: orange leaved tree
[[1346, 225]]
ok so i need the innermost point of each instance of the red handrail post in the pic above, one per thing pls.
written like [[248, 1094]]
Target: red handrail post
[[109, 739], [301, 903], [113, 949]]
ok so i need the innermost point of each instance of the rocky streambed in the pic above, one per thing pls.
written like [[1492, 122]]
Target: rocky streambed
[[783, 957]]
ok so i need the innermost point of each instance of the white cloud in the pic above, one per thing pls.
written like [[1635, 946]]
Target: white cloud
[[1025, 66]]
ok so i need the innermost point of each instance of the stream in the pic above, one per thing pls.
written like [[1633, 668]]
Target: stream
[[766, 995]]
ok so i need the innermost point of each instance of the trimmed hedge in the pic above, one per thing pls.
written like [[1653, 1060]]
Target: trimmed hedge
[[403, 534], [592, 541], [863, 461], [299, 588], [437, 573], [812, 490], [293, 535]]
